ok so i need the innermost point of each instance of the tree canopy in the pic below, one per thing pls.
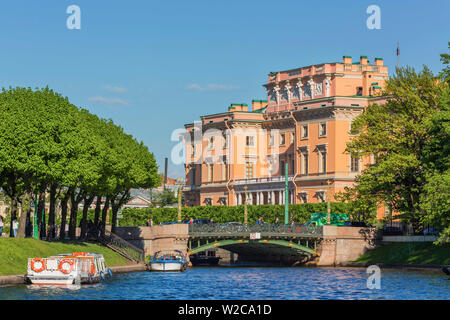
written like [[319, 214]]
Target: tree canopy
[[50, 146], [407, 138]]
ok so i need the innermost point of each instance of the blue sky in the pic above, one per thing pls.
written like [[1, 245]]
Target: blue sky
[[153, 66]]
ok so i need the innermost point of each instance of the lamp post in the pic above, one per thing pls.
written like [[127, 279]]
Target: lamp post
[[328, 203], [286, 195], [179, 200], [35, 220], [245, 205]]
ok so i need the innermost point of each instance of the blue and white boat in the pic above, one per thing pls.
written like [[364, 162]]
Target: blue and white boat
[[168, 260]]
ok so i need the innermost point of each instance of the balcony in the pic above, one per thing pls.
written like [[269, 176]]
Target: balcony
[[263, 180], [191, 187]]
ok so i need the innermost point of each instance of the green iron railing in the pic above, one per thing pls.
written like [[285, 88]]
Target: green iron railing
[[245, 229], [123, 247]]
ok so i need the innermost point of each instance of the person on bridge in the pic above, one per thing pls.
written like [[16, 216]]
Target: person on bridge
[[277, 222], [191, 221]]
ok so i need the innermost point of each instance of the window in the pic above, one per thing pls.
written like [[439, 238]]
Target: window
[[210, 143], [270, 139], [354, 163], [359, 91], [192, 150], [322, 160], [192, 175], [210, 173], [304, 163], [351, 128], [292, 165], [250, 141], [282, 139], [225, 141], [208, 201], [248, 170], [304, 131], [321, 196], [282, 165], [322, 129], [225, 171], [303, 197]]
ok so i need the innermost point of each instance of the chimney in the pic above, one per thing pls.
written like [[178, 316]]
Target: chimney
[[258, 104], [378, 61], [347, 59], [363, 60], [238, 107], [165, 173]]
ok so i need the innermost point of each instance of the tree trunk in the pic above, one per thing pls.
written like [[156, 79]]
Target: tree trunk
[[28, 226], [40, 211], [75, 200], [87, 202], [115, 208], [62, 230], [23, 218], [51, 213], [104, 214], [98, 207], [13, 215]]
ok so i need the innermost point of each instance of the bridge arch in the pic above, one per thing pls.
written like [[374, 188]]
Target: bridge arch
[[231, 242]]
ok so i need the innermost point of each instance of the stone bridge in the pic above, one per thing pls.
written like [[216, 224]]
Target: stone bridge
[[322, 246]]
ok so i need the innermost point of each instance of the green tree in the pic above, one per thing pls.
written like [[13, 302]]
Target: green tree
[[435, 200], [395, 134], [166, 197]]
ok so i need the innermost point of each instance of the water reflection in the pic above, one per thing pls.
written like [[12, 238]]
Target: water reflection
[[247, 284]]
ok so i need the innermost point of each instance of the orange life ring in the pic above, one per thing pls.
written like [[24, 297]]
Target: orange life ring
[[92, 268], [42, 261], [80, 254], [63, 261]]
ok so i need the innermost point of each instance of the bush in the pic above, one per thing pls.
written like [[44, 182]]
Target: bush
[[299, 213]]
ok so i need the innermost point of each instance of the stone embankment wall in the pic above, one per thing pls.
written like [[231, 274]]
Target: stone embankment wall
[[153, 239], [344, 244]]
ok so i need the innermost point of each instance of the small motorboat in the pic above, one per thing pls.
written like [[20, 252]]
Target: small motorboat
[[446, 270], [67, 269], [168, 260]]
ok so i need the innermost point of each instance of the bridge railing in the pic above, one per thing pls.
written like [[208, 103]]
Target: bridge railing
[[242, 229], [123, 247]]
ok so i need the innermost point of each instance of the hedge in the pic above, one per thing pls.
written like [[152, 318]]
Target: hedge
[[299, 213]]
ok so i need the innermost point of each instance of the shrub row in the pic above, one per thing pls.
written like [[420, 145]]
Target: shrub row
[[299, 213]]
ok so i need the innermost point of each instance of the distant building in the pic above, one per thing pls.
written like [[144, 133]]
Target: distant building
[[304, 123], [137, 202], [171, 184]]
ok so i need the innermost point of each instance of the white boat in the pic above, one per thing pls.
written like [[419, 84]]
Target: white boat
[[67, 269], [170, 260]]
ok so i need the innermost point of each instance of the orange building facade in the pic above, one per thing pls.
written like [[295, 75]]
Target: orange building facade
[[304, 123]]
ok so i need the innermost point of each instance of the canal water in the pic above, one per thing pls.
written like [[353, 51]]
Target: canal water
[[249, 284]]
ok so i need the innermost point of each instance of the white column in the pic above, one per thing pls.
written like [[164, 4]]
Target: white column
[[272, 198], [261, 197], [257, 198], [280, 200]]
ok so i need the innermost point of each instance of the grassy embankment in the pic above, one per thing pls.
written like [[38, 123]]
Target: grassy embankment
[[15, 252], [420, 253]]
